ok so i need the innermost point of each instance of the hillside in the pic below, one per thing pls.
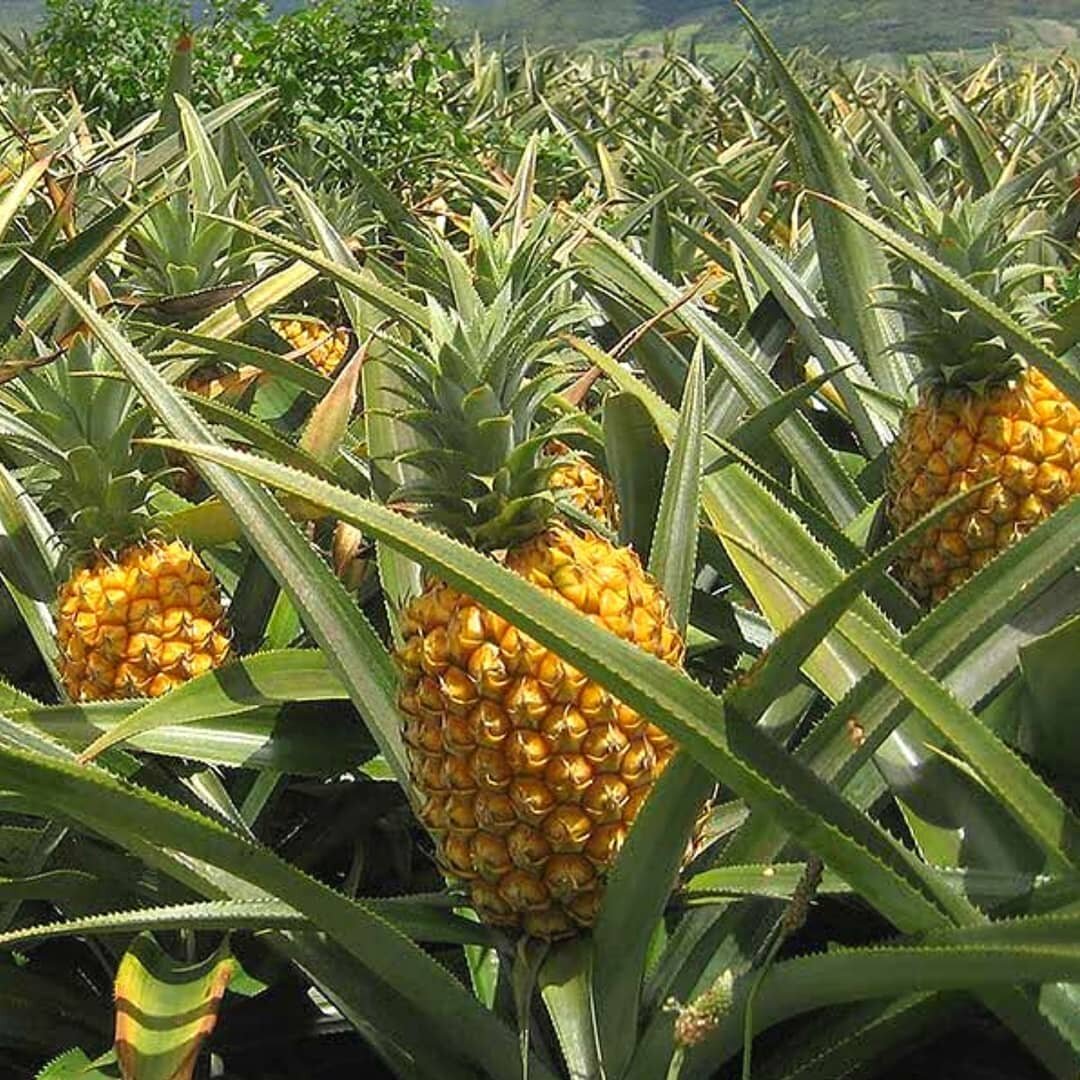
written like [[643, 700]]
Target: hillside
[[18, 15], [846, 27]]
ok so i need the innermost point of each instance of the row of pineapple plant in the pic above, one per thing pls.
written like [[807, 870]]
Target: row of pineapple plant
[[549, 436]]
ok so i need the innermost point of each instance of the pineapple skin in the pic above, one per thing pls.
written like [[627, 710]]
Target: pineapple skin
[[139, 624], [1023, 435], [529, 774], [324, 349], [585, 487]]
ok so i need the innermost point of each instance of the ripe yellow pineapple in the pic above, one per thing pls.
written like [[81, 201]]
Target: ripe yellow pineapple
[[1024, 434], [136, 615], [528, 774], [981, 415], [139, 623], [323, 348]]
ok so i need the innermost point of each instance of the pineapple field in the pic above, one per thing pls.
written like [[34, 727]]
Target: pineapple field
[[535, 565]]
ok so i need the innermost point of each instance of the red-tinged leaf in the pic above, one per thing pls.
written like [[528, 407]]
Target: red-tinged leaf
[[165, 1010], [329, 420]]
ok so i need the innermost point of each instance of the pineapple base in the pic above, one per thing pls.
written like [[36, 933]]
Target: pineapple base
[[528, 773], [1024, 436], [139, 624]]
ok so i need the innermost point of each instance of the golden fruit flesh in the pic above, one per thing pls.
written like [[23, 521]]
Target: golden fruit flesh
[[322, 347], [528, 773], [1024, 436], [140, 624]]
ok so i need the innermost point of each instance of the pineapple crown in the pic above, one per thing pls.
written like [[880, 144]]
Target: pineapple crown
[[473, 387], [75, 422], [955, 347], [178, 249]]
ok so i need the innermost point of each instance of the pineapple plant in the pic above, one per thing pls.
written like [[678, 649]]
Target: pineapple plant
[[981, 415], [136, 614], [528, 774]]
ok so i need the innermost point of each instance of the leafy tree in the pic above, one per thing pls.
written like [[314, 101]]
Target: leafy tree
[[355, 74], [114, 54]]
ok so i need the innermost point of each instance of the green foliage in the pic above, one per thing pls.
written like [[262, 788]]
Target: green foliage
[[114, 54], [360, 75], [355, 74]]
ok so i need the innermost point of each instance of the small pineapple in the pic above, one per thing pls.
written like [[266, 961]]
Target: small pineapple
[[981, 415], [137, 615], [140, 622], [322, 347], [582, 484], [528, 773]]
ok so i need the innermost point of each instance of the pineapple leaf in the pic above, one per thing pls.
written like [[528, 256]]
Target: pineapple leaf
[[387, 300], [166, 1010], [1038, 949], [802, 310], [257, 433], [28, 567], [243, 355], [851, 267], [208, 187], [862, 1034], [610, 259], [75, 1065], [567, 994], [776, 671], [248, 684], [1014, 784], [637, 457], [265, 738], [16, 195], [419, 920], [673, 556], [128, 814], [232, 317], [328, 425]]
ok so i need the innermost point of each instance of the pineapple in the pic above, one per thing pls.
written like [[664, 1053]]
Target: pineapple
[[139, 622], [323, 348], [136, 615], [527, 773], [582, 485], [981, 415]]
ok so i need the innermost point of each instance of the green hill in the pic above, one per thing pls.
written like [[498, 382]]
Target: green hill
[[846, 27], [16, 15]]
